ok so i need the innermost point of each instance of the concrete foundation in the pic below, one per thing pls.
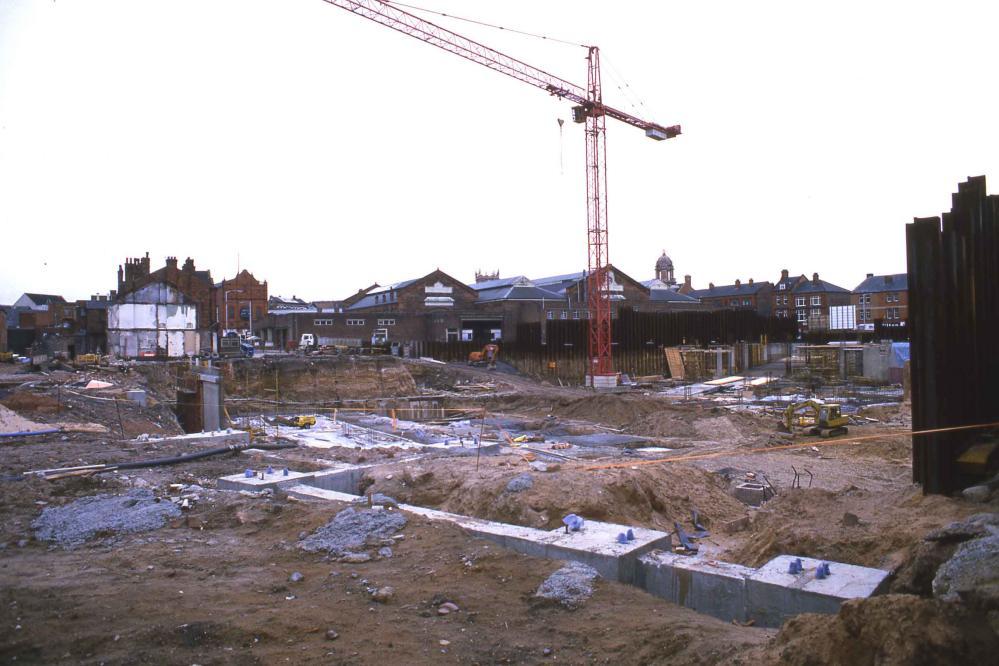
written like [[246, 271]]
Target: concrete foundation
[[773, 595], [595, 544], [767, 596], [706, 586], [215, 438]]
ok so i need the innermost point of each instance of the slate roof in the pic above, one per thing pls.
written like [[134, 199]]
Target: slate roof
[[818, 287], [499, 282], [528, 292], [668, 295], [45, 299], [727, 290], [878, 283], [371, 299]]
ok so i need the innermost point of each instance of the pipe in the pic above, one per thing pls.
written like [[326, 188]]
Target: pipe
[[157, 462], [25, 433]]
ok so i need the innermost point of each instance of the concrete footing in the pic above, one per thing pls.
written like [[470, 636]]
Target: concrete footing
[[595, 544], [768, 596], [215, 437]]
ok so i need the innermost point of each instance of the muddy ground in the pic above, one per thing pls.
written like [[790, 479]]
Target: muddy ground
[[213, 585]]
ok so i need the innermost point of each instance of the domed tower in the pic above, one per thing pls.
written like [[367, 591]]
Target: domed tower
[[664, 270]]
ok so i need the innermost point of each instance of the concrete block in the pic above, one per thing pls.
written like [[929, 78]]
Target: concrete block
[[751, 493], [214, 438], [344, 479], [773, 595], [138, 396], [305, 492], [596, 545], [706, 586], [256, 483]]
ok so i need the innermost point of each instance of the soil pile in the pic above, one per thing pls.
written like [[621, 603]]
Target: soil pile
[[887, 630], [319, 379], [74, 524], [648, 496], [852, 525]]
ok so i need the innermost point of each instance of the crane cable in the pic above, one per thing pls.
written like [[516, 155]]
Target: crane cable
[[483, 23]]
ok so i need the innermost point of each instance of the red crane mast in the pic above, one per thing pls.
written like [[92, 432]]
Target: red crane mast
[[589, 110]]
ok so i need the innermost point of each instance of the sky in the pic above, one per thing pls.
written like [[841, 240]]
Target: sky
[[324, 152]]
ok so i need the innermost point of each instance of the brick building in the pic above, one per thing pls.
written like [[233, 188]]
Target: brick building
[[3, 328], [812, 300], [882, 298], [750, 295], [240, 303]]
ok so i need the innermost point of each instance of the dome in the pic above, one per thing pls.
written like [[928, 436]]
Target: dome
[[664, 263]]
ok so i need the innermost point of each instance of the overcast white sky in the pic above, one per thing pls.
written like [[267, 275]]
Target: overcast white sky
[[331, 152]]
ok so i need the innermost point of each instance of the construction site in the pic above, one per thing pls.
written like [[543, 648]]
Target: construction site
[[582, 468]]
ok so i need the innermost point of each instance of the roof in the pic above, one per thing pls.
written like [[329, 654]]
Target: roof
[[528, 292], [727, 290], [499, 282], [45, 299], [818, 286], [880, 283], [668, 295]]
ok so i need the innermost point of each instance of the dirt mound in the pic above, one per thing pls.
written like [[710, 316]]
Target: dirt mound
[[647, 496], [320, 379], [814, 523], [35, 403], [891, 629]]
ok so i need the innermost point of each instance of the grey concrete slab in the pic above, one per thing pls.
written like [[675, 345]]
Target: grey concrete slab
[[704, 585], [261, 480], [773, 595]]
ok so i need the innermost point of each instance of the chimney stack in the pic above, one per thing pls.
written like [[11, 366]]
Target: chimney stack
[[815, 278], [750, 280], [738, 283], [686, 280], [171, 262], [870, 275], [711, 285], [783, 274]]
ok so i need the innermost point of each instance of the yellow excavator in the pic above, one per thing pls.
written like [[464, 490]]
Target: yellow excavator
[[815, 418]]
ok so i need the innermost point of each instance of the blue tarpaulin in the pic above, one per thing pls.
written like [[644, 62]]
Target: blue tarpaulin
[[900, 354]]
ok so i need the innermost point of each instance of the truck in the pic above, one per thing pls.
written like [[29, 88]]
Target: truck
[[307, 342]]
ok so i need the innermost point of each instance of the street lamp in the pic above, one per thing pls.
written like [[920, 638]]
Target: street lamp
[[226, 304]]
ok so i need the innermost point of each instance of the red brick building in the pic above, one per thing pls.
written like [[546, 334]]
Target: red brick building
[[750, 295], [882, 298], [240, 302]]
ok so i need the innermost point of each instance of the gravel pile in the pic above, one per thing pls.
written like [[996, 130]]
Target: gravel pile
[[74, 524], [354, 530], [520, 483], [570, 586]]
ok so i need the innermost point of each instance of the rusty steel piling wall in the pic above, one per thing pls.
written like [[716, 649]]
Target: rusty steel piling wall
[[953, 266]]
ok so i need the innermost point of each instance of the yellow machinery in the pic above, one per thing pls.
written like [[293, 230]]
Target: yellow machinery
[[815, 418], [486, 357], [6, 357], [297, 421], [88, 359]]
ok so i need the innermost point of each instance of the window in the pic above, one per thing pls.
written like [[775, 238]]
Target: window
[[816, 300], [816, 312], [495, 334], [232, 312], [802, 315], [564, 314], [745, 301], [575, 314], [550, 314], [355, 322], [734, 302], [782, 286], [386, 322], [799, 301], [466, 335], [451, 335], [323, 322]]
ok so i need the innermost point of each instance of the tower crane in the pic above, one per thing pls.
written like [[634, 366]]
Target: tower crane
[[589, 109]]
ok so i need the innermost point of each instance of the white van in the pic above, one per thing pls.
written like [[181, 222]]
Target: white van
[[308, 341]]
